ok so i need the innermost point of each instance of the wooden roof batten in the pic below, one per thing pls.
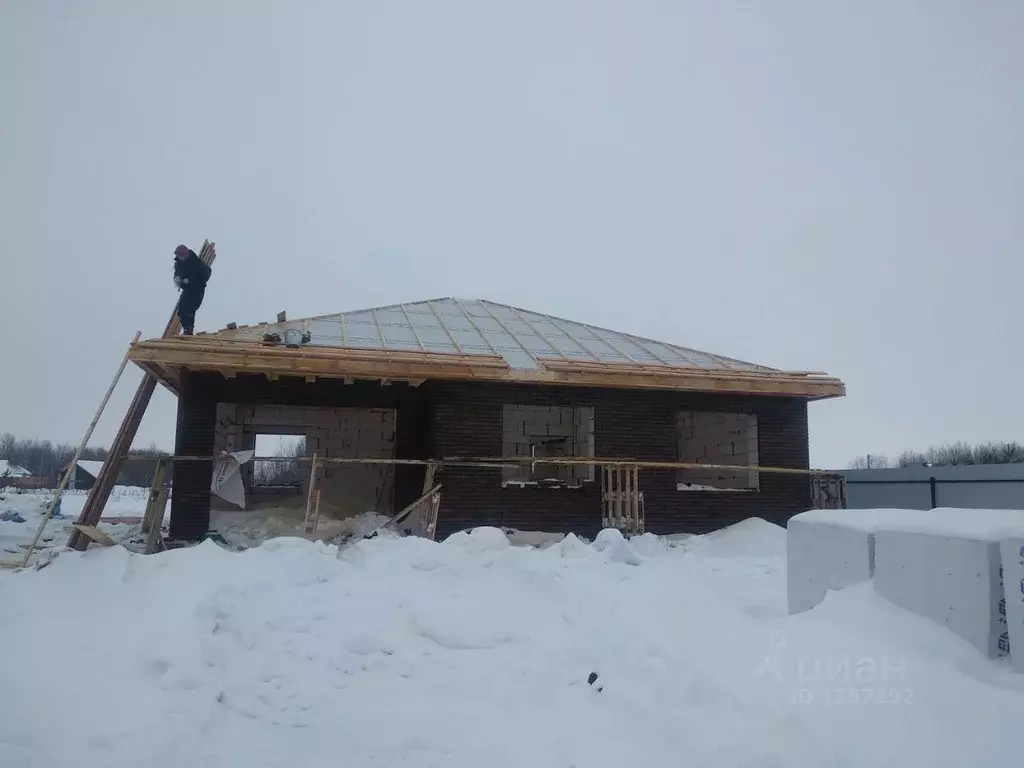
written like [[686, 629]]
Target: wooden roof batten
[[165, 358]]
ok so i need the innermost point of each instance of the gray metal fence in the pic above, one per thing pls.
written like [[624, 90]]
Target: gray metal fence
[[976, 486]]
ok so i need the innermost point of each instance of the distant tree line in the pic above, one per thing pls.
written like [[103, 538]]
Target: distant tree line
[[46, 459], [946, 455], [283, 472]]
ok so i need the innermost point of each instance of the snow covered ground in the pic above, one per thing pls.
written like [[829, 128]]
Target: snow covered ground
[[471, 652], [124, 508]]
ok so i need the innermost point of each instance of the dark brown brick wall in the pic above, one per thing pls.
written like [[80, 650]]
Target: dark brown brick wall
[[443, 419], [467, 420], [190, 498]]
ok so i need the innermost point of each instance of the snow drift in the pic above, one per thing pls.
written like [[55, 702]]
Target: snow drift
[[473, 652]]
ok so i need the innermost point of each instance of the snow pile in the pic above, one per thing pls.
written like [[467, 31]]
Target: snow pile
[[752, 537], [472, 652], [250, 528]]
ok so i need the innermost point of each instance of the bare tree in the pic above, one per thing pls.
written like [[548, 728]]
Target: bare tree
[[872, 461], [47, 460], [960, 453], [282, 472]]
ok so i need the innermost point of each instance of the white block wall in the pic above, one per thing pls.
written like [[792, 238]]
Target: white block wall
[[952, 580], [346, 489], [571, 430], [227, 435], [821, 556], [351, 489], [710, 437]]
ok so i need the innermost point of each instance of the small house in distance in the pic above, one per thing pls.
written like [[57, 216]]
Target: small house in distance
[[452, 377], [15, 476], [85, 474]]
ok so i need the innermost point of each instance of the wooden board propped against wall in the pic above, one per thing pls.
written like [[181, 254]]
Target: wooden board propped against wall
[[100, 492]]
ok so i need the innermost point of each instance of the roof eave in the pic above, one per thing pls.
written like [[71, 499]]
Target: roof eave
[[165, 358]]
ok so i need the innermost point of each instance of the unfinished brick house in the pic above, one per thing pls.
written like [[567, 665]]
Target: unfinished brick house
[[450, 378]]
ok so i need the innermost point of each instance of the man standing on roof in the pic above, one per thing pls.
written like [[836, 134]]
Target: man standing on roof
[[191, 276]]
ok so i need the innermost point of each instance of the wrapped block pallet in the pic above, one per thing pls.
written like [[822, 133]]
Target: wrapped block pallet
[[822, 555], [953, 580], [1012, 556], [962, 568]]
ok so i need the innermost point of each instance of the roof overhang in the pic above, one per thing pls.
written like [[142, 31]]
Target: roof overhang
[[166, 358]]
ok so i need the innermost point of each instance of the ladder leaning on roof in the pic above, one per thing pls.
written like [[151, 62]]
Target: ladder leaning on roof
[[100, 492]]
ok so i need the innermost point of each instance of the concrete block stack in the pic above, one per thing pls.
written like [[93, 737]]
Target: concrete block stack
[[962, 568]]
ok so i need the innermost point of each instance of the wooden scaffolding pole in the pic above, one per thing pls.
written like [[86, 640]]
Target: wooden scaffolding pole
[[78, 454], [311, 493], [100, 492]]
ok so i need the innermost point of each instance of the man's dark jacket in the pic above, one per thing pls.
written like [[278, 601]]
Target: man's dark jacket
[[195, 271]]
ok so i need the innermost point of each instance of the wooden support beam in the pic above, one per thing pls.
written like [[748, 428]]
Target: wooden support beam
[[310, 495], [428, 477], [92, 533], [153, 518], [496, 462]]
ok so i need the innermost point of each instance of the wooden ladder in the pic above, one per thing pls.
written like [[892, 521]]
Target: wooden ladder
[[100, 492]]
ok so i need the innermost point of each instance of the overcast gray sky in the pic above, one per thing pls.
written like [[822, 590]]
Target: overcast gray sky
[[810, 185]]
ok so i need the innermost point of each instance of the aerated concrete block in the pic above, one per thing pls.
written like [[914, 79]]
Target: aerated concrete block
[[1012, 556], [821, 556], [952, 580]]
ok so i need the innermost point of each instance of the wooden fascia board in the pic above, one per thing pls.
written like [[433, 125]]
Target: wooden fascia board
[[311, 352], [303, 365], [288, 363], [718, 374]]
